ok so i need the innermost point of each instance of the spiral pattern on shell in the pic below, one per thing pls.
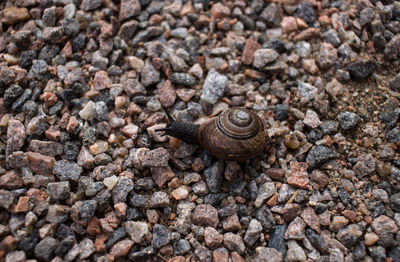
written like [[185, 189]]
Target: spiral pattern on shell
[[236, 134]]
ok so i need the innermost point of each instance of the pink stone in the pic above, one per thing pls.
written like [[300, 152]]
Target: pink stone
[[288, 24], [101, 80]]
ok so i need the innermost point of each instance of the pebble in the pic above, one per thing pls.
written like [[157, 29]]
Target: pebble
[[155, 158], [41, 164], [299, 177], [159, 199], [161, 236], [361, 70], [86, 248], [205, 215], [138, 231], [317, 241], [16, 136], [13, 15], [212, 237], [253, 233], [214, 176], [66, 170], [100, 111], [89, 5], [264, 193], [349, 235], [214, 87], [348, 120], [394, 83], [267, 254], [234, 242], [295, 252], [149, 74], [45, 248], [183, 79], [319, 155], [263, 57], [59, 190], [383, 225]]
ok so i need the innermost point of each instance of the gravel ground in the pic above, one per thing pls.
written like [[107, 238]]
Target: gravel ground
[[84, 176]]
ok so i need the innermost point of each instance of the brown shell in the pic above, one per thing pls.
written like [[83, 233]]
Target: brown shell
[[236, 134]]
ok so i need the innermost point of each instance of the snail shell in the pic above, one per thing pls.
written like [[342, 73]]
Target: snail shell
[[236, 134]]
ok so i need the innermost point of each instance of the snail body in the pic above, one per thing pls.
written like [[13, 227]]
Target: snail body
[[236, 134]]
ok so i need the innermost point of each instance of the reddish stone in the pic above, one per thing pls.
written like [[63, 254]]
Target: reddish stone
[[275, 173], [178, 258], [50, 99], [219, 10], [53, 133], [120, 209], [349, 214], [307, 34], [212, 237], [185, 94], [101, 80], [186, 9], [161, 175], [16, 136], [73, 123], [290, 211], [167, 94], [254, 74], [11, 180], [299, 177], [22, 205], [41, 164], [310, 217], [288, 24], [94, 227], [220, 255], [236, 257], [121, 248], [248, 53]]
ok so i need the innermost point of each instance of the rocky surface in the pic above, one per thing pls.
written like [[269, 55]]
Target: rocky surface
[[86, 176]]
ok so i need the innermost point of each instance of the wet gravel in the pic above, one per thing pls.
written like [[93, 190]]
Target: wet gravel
[[85, 176]]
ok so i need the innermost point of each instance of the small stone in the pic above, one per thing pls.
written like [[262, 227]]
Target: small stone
[[234, 242], [17, 159], [101, 80], [310, 217], [365, 165], [214, 87], [122, 189], [37, 125], [296, 229], [205, 215], [13, 15], [214, 176], [58, 190], [248, 52], [87, 112], [128, 9], [327, 56], [134, 62], [16, 256], [370, 239], [212, 237], [203, 254], [349, 235], [87, 248], [100, 111], [348, 120], [89, 5], [267, 254], [41, 164], [338, 222], [288, 24], [110, 182], [264, 193], [159, 199], [295, 252], [98, 147], [149, 74], [45, 248], [161, 236], [155, 158], [361, 70], [12, 93], [253, 233], [138, 231], [167, 94], [180, 193], [384, 225], [66, 170], [121, 248], [183, 79], [181, 247], [299, 177], [318, 155], [16, 136], [219, 10], [317, 241], [311, 119], [48, 148], [394, 83], [263, 57]]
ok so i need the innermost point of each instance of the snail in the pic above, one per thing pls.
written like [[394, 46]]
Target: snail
[[236, 134]]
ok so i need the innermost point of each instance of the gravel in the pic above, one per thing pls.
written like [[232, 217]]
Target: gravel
[[86, 176]]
